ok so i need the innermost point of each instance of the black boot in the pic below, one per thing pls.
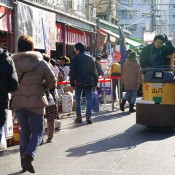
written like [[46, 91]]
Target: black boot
[[26, 162], [131, 108], [122, 105]]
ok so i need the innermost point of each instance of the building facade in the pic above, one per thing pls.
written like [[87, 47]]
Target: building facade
[[55, 25], [135, 15], [166, 21]]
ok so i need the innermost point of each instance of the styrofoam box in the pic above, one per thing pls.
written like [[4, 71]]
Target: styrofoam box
[[67, 103]]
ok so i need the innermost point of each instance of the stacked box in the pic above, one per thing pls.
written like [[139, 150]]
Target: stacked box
[[67, 102]]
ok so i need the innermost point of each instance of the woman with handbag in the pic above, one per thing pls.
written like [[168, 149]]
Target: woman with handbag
[[51, 110], [51, 113]]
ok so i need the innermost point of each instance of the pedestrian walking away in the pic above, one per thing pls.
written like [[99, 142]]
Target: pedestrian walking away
[[131, 79], [30, 100], [83, 76], [51, 110], [8, 83]]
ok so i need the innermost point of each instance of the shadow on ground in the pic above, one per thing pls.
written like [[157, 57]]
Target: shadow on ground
[[8, 152], [128, 139]]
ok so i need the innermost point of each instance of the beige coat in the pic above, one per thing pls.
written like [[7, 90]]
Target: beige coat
[[37, 78], [131, 75]]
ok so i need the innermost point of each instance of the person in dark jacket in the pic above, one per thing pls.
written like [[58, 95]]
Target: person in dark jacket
[[98, 66], [155, 54], [83, 71], [8, 83]]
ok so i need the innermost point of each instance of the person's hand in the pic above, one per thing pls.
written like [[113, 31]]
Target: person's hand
[[166, 38]]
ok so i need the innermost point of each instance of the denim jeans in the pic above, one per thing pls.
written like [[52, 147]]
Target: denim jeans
[[32, 130], [130, 96], [88, 94]]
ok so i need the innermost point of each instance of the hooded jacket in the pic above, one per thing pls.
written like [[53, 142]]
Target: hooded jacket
[[38, 77], [8, 78], [131, 75]]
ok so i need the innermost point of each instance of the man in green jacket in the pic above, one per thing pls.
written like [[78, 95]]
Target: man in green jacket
[[154, 55]]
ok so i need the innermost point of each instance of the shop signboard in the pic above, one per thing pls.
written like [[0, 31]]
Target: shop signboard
[[39, 24]]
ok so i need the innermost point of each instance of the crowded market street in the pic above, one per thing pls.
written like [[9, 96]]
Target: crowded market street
[[113, 145]]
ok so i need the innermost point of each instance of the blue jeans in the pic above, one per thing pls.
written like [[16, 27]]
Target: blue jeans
[[88, 94], [130, 96], [32, 130]]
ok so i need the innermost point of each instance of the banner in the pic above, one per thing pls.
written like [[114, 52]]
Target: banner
[[123, 52], [30, 22]]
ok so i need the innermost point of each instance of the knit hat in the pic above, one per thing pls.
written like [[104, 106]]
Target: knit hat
[[132, 55]]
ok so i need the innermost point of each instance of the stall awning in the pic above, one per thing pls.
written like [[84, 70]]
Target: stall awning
[[129, 41], [5, 22]]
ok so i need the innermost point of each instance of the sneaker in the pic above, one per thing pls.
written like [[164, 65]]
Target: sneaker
[[78, 120], [89, 121]]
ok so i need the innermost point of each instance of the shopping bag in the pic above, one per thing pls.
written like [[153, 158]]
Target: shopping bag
[[95, 102], [3, 142]]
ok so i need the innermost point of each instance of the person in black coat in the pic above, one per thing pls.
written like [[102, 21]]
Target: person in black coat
[[83, 77], [8, 83]]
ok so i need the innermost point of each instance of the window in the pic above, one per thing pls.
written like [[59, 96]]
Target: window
[[146, 1], [130, 16]]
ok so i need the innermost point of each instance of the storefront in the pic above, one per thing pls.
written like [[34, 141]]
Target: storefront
[[6, 39], [72, 30], [69, 36]]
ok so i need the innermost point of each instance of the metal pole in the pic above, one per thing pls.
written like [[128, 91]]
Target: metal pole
[[112, 97], [119, 90], [15, 29], [104, 90]]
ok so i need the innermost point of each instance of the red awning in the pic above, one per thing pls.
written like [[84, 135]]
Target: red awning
[[73, 35], [5, 22]]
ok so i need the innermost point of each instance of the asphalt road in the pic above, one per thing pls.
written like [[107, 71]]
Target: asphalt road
[[112, 145]]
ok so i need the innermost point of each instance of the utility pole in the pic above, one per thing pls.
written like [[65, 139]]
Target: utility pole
[[110, 7], [153, 15]]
